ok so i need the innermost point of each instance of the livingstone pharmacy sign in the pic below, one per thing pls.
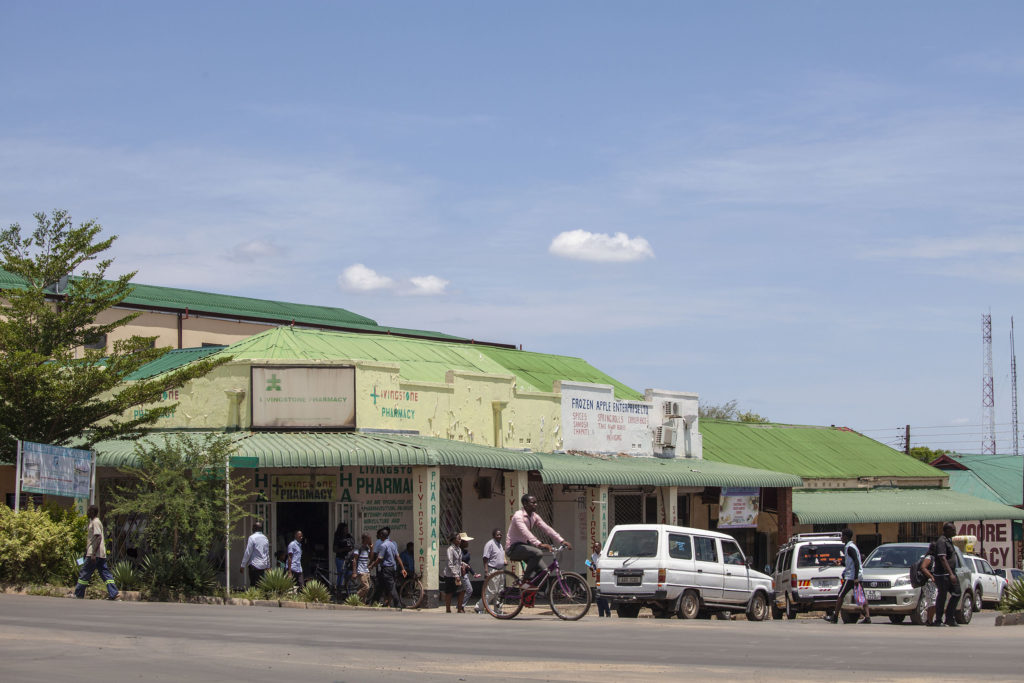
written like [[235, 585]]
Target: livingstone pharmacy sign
[[303, 397]]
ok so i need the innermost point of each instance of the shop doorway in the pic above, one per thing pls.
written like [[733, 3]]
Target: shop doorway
[[313, 520]]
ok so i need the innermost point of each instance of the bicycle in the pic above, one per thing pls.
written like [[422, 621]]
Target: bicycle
[[504, 594], [410, 589]]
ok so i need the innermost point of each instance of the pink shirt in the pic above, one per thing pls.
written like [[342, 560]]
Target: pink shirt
[[521, 529]]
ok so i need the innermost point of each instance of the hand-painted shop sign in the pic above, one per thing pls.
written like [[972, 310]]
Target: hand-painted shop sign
[[301, 488], [389, 402], [594, 420], [738, 508], [303, 397]]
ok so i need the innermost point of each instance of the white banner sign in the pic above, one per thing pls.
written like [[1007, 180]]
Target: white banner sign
[[303, 398], [738, 508], [55, 471], [593, 420], [995, 540]]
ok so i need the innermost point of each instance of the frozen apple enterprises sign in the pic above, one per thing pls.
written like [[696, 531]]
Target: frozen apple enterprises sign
[[303, 397]]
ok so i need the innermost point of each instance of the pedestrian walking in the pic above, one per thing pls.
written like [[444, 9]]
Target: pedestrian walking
[[494, 561], [295, 560], [852, 574], [257, 555], [946, 580], [467, 570], [361, 567], [390, 564], [603, 608], [342, 545], [409, 558], [929, 591], [95, 557], [451, 575]]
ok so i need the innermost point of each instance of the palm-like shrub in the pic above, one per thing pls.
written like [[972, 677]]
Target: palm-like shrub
[[315, 591], [276, 583], [125, 576], [354, 601], [1013, 597]]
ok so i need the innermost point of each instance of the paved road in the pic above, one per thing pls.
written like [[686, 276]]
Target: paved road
[[45, 639]]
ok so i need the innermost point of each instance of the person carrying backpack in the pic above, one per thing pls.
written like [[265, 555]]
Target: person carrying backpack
[[852, 575], [928, 589]]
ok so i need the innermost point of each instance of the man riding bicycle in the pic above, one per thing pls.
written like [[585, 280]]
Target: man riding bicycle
[[521, 544]]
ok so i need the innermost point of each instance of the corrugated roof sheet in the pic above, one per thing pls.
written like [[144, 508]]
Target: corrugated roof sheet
[[341, 449], [966, 481], [1000, 473], [420, 360], [539, 371], [581, 470], [895, 505], [172, 360], [808, 452]]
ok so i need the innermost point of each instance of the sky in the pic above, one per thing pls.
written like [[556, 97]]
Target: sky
[[805, 207]]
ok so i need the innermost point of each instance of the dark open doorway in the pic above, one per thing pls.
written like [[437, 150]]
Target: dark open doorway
[[312, 520]]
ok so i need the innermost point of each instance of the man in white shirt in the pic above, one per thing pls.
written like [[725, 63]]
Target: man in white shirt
[[494, 560], [95, 557], [257, 554], [294, 562]]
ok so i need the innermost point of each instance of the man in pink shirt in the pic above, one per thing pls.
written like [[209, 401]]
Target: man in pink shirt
[[520, 541]]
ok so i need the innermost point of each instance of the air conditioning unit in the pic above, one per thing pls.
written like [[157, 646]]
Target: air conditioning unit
[[672, 409], [665, 435]]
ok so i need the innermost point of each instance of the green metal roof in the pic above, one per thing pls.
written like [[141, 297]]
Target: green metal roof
[[340, 449], [172, 360], [539, 371], [895, 505], [999, 473], [966, 481], [420, 360], [808, 452], [582, 470]]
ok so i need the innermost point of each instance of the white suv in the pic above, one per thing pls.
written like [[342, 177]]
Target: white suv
[[679, 570], [808, 572], [988, 586]]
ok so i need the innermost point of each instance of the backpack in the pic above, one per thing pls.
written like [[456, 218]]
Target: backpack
[[917, 577], [343, 546]]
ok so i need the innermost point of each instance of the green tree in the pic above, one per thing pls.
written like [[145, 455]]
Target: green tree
[[925, 454], [729, 411], [178, 488], [53, 388]]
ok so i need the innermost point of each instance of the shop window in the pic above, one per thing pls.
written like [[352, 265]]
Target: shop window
[[451, 507], [628, 508]]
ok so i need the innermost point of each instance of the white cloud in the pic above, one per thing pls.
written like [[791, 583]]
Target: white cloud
[[428, 285], [255, 250], [591, 246], [358, 277]]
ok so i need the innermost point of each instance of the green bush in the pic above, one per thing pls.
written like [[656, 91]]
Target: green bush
[[171, 578], [276, 584], [125, 576], [1013, 597], [315, 591], [354, 601], [252, 593], [37, 548]]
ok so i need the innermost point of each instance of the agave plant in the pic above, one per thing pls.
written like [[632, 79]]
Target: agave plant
[[354, 601], [276, 583], [125, 576], [1013, 597], [315, 591]]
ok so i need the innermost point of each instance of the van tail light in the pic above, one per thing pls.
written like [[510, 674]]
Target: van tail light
[[597, 577], [661, 576], [792, 579]]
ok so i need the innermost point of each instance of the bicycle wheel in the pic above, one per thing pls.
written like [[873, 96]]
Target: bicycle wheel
[[569, 596], [501, 595], [411, 592]]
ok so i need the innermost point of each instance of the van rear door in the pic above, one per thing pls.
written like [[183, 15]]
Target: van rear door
[[629, 564]]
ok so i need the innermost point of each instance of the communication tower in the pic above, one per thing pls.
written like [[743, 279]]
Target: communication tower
[[988, 400], [1013, 389]]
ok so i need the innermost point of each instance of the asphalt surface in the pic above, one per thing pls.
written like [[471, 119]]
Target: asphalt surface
[[46, 639]]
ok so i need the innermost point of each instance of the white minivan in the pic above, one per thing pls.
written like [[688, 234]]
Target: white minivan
[[679, 570]]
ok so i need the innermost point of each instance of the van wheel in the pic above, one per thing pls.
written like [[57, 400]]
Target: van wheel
[[661, 612], [777, 612], [758, 607], [790, 610], [977, 599], [627, 611], [850, 617], [966, 611], [897, 618], [689, 605]]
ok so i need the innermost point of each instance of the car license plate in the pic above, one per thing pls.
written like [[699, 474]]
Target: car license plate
[[630, 580], [826, 583], [873, 595]]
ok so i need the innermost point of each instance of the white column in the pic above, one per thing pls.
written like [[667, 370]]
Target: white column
[[426, 493]]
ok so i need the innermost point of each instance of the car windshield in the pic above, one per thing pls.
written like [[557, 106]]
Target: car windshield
[[895, 556], [633, 543], [820, 556]]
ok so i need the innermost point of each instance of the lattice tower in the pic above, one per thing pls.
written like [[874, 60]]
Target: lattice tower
[[988, 399], [1013, 389]]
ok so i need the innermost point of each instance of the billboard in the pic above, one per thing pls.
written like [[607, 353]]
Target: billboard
[[593, 420], [738, 508], [55, 470], [286, 397]]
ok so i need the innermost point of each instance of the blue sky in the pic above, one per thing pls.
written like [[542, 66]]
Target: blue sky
[[803, 206]]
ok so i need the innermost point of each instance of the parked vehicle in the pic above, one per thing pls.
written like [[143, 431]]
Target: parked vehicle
[[679, 571], [807, 574], [886, 584], [988, 586], [1010, 575]]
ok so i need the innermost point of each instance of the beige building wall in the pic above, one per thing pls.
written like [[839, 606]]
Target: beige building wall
[[195, 331]]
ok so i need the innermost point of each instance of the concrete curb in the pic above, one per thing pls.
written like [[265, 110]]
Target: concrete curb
[[1014, 619]]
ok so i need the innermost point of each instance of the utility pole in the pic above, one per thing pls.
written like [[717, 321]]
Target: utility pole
[[988, 398], [906, 441], [1013, 390]]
